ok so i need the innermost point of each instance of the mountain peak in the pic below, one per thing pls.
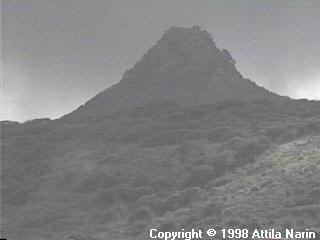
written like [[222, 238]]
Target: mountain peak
[[187, 37], [188, 49], [178, 33], [184, 67]]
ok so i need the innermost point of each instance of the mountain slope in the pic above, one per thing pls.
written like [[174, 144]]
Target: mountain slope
[[185, 67], [280, 190], [183, 141]]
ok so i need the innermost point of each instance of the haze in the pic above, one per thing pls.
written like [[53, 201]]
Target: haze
[[59, 54]]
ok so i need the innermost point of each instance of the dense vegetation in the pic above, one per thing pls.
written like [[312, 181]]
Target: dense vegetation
[[182, 141], [165, 166]]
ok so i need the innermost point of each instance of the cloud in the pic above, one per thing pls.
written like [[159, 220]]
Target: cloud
[[305, 86]]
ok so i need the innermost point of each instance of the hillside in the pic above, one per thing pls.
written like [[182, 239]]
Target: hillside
[[182, 141], [184, 67]]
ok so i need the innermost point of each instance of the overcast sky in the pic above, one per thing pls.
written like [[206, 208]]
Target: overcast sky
[[59, 53]]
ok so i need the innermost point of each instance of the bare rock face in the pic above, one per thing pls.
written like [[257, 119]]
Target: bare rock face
[[184, 67]]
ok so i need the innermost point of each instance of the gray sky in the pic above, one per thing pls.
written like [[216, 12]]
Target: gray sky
[[59, 53]]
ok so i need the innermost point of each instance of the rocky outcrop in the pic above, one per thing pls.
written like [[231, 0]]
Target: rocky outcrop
[[185, 67]]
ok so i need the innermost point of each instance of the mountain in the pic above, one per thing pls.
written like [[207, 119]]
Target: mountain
[[183, 141], [184, 67]]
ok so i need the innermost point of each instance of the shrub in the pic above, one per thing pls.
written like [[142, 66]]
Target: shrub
[[150, 201], [227, 104], [41, 218], [178, 200], [94, 181], [190, 194], [223, 161], [141, 214], [61, 225], [162, 183], [232, 134], [129, 194], [200, 176], [212, 209], [17, 197], [216, 134], [104, 198], [314, 195], [173, 202], [103, 217], [191, 115], [251, 225], [137, 229], [233, 223], [274, 132], [188, 148], [249, 150], [165, 138], [288, 135], [167, 227], [141, 180], [113, 159], [134, 136], [139, 192]]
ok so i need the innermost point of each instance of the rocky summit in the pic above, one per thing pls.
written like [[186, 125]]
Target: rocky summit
[[183, 141]]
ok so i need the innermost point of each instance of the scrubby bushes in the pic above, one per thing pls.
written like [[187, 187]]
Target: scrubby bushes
[[185, 151], [140, 214], [18, 196], [95, 181], [61, 225], [141, 180], [289, 135], [251, 224], [216, 134], [135, 136], [212, 209], [199, 176], [250, 149], [228, 104], [191, 115], [122, 193], [104, 198], [103, 217], [137, 229], [167, 227], [176, 200], [164, 138], [314, 195], [41, 218], [131, 195]]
